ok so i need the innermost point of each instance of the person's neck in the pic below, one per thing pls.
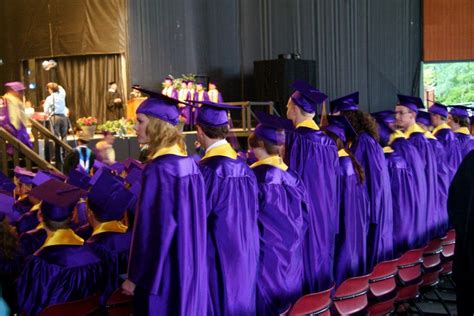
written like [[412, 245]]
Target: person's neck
[[260, 153], [300, 118]]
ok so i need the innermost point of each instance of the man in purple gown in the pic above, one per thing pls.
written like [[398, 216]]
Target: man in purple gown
[[405, 113], [232, 234], [370, 155], [458, 119], [313, 155], [107, 202], [167, 272], [282, 218], [62, 269]]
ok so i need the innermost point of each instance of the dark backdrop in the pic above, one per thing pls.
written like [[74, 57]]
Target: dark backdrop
[[368, 45]]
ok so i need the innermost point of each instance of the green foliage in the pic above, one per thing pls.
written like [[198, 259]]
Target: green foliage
[[453, 82], [178, 82], [120, 128]]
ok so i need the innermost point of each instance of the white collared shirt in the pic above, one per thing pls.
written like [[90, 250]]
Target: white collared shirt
[[216, 144]]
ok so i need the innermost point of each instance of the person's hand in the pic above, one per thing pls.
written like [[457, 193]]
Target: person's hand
[[128, 287], [117, 100]]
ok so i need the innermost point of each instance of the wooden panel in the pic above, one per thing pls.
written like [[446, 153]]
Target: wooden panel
[[448, 30]]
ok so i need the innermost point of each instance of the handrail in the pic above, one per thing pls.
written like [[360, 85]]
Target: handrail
[[30, 155], [47, 133]]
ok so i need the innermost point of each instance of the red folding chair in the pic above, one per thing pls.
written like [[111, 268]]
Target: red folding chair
[[409, 274], [119, 304], [447, 255], [351, 295], [382, 286], [314, 304], [84, 307], [432, 263]]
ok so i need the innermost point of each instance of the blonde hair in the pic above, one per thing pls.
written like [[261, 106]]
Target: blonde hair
[[162, 134]]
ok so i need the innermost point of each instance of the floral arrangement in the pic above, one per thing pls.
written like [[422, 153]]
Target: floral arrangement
[[120, 128], [87, 121], [178, 82]]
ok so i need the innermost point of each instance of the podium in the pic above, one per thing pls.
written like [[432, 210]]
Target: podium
[[132, 106]]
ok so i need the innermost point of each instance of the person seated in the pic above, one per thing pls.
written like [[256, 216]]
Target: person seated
[[107, 203], [63, 269]]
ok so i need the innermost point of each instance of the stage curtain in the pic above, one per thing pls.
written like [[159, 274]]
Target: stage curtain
[[85, 79]]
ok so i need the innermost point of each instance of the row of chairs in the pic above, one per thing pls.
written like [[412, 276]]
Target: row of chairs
[[390, 283]]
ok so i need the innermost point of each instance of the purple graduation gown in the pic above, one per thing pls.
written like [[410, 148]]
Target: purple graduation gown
[[21, 206], [452, 150], [168, 251], [377, 180], [58, 274], [232, 235], [282, 216], [84, 231], [313, 155], [403, 184], [194, 114], [418, 191], [351, 239], [27, 221], [31, 241], [113, 249], [466, 143]]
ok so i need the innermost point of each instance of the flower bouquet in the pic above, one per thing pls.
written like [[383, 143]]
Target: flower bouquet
[[87, 125], [120, 128]]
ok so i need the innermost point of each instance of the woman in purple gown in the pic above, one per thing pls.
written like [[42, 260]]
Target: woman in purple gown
[[167, 269]]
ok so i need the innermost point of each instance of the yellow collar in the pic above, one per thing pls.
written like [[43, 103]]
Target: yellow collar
[[40, 226], [415, 128], [429, 135], [309, 124], [225, 150], [463, 130], [62, 237], [274, 161], [342, 152], [396, 134], [172, 150], [111, 226], [387, 150], [35, 207], [440, 127]]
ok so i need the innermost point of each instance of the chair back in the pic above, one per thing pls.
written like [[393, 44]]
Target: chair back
[[82, 307], [449, 242], [432, 254], [409, 265], [314, 303], [351, 295], [119, 304], [382, 279]]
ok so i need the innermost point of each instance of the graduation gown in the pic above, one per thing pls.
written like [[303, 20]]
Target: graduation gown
[[232, 234], [62, 270], [416, 136], [111, 243], [466, 142], [168, 252], [452, 148], [403, 185], [282, 217], [32, 240], [351, 239], [198, 96], [313, 155], [377, 181], [418, 194], [28, 221]]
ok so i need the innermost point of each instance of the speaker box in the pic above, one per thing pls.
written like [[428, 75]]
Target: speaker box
[[274, 77]]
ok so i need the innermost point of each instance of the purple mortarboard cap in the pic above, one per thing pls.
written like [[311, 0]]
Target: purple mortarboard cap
[[79, 179], [459, 110], [25, 176], [15, 86], [6, 205], [424, 118], [99, 164], [413, 103], [99, 172], [160, 106], [134, 175], [42, 177], [306, 96], [108, 198], [272, 128], [131, 163], [118, 167], [348, 102], [169, 77], [214, 114], [6, 184], [387, 117], [340, 126], [135, 188], [58, 199], [438, 108]]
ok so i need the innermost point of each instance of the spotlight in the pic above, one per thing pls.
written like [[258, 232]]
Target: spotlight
[[49, 64]]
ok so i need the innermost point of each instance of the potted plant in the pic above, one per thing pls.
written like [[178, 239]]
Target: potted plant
[[120, 128], [87, 125]]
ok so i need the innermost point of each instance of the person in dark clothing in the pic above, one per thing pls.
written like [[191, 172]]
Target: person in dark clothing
[[114, 103], [461, 215], [81, 156]]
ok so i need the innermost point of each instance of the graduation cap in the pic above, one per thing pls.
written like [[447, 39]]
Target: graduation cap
[[108, 198], [15, 86], [348, 102], [134, 175], [23, 175], [214, 114], [387, 117], [169, 77], [413, 103], [58, 199], [340, 126], [460, 111], [42, 177], [118, 167], [6, 205], [79, 179], [438, 108], [131, 163], [160, 106], [271, 127], [306, 96], [5, 183], [424, 118], [384, 119]]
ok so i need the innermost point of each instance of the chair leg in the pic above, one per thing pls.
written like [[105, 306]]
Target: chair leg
[[435, 291]]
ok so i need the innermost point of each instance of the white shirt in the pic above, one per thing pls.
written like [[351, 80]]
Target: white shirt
[[217, 144]]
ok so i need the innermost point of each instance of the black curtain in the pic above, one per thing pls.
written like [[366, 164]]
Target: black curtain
[[368, 45]]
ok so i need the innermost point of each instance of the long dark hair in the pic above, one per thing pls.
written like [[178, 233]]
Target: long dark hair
[[8, 240], [357, 166], [362, 122]]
